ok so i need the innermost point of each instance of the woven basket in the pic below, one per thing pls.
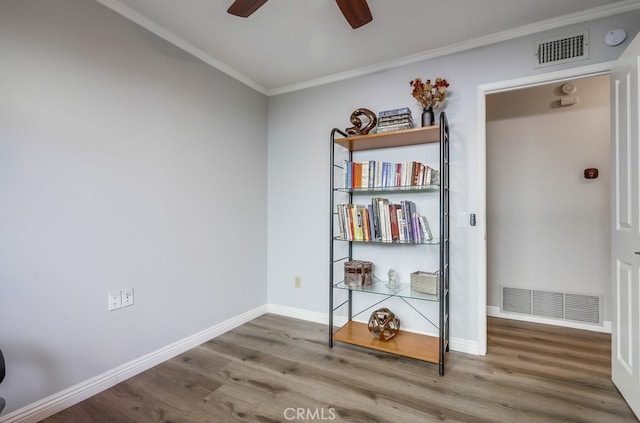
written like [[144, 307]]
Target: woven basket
[[425, 282]]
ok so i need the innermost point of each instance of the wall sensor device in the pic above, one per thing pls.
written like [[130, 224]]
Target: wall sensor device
[[615, 37]]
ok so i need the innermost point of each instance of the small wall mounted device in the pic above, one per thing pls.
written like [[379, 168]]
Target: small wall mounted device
[[569, 88], [615, 37], [591, 173]]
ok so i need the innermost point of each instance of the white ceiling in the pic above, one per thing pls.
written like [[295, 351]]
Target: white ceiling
[[292, 44]]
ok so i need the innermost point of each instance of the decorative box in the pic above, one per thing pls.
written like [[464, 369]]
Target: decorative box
[[358, 273], [426, 282]]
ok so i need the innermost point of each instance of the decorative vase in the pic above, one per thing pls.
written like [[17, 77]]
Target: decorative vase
[[428, 118]]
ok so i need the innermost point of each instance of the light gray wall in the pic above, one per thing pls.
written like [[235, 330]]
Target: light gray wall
[[299, 128], [548, 226], [124, 162]]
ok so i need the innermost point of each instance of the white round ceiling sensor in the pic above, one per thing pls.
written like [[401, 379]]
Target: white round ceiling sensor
[[615, 37]]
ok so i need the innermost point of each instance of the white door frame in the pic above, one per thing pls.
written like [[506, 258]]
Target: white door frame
[[483, 91]]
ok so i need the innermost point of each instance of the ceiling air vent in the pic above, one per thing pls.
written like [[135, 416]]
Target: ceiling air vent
[[569, 48]]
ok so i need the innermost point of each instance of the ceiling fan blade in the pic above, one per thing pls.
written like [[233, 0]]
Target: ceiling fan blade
[[356, 12], [244, 8]]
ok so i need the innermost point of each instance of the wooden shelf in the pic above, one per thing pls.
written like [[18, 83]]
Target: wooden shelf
[[415, 136], [407, 344]]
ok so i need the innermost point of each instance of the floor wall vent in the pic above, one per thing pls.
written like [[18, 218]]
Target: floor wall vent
[[569, 48], [552, 304]]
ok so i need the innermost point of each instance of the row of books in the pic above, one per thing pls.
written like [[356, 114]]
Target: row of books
[[376, 174], [394, 120], [383, 221]]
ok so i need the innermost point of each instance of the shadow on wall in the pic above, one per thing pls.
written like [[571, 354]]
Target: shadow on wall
[[2, 374]]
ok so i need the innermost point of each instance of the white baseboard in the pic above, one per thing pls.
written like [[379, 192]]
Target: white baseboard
[[298, 313], [493, 311], [57, 402], [464, 346]]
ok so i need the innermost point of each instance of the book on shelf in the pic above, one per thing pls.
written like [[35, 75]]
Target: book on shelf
[[417, 235], [383, 221], [358, 235], [387, 221], [378, 178], [364, 175], [352, 220], [366, 229], [415, 172], [348, 175], [402, 224], [375, 174], [373, 229], [385, 174], [393, 222], [392, 112], [406, 210], [424, 227], [395, 127], [412, 214], [392, 120]]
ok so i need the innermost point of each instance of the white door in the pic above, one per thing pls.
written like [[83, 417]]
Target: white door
[[625, 220]]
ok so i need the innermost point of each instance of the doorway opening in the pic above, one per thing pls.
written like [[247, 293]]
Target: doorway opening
[[548, 203], [484, 91]]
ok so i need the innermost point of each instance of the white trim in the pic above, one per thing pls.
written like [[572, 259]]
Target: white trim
[[179, 42], [544, 78], [493, 311], [465, 346], [55, 403], [483, 90], [298, 313], [481, 221], [549, 24]]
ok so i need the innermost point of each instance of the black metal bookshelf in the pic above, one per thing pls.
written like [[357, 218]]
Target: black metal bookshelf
[[422, 347]]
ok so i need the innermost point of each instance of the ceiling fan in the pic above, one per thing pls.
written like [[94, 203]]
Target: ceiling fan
[[356, 12]]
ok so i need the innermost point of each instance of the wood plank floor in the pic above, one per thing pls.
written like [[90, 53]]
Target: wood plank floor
[[278, 369]]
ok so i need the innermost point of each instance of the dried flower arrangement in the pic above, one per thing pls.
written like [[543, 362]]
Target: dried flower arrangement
[[429, 94]]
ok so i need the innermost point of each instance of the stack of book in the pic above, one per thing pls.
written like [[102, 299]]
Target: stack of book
[[394, 120], [383, 221]]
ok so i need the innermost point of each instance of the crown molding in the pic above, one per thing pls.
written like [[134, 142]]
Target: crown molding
[[549, 24], [169, 36]]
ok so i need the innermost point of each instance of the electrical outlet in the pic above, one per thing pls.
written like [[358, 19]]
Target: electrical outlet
[[127, 297], [297, 282], [115, 300]]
